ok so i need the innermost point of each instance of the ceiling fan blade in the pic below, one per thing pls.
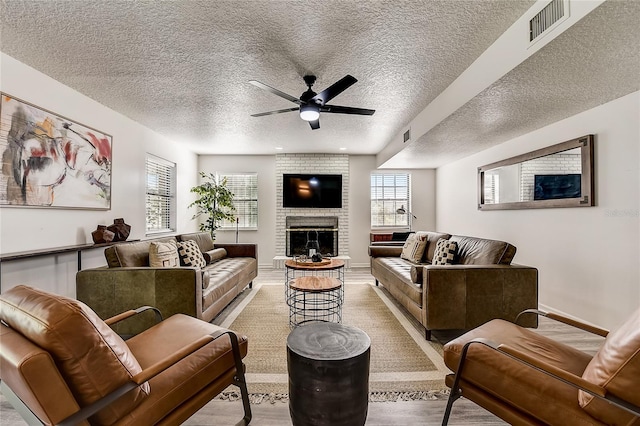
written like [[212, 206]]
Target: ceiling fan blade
[[336, 109], [276, 92], [279, 111], [335, 89], [315, 124]]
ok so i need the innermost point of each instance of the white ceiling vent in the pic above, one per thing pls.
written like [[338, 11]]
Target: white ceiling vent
[[548, 18]]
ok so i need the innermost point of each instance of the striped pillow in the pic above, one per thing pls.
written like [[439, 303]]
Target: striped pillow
[[414, 247]]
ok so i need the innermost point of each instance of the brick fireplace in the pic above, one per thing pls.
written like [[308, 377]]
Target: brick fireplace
[[313, 163]]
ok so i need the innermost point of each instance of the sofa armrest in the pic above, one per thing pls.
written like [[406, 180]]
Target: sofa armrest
[[110, 291], [385, 251], [239, 249], [466, 296]]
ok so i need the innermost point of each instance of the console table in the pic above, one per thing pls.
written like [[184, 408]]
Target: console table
[[78, 248]]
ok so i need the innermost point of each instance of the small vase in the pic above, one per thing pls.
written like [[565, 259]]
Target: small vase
[[120, 229], [102, 235]]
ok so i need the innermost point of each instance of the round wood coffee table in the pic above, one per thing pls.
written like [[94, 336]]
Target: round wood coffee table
[[315, 299], [314, 291]]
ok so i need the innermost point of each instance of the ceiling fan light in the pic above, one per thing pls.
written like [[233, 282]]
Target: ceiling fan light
[[309, 112]]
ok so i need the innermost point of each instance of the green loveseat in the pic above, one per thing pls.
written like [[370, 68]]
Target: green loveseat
[[128, 281]]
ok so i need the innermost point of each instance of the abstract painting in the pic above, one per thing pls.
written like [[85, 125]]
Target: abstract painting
[[51, 161]]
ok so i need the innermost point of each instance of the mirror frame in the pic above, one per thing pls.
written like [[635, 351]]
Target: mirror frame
[[587, 185]]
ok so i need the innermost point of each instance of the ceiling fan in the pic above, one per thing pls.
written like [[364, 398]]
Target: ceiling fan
[[311, 104]]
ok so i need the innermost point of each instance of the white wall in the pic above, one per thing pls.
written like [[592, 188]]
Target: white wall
[[588, 258], [265, 167], [360, 168], [25, 229]]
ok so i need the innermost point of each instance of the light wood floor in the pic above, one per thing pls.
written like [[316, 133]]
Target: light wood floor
[[380, 414]]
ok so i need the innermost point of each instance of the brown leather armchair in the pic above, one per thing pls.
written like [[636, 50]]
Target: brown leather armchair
[[528, 379], [61, 364]]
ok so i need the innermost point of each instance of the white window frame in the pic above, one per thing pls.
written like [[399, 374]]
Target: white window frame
[[160, 184], [389, 193], [247, 220]]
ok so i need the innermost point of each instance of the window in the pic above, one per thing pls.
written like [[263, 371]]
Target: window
[[160, 199], [389, 192], [245, 199], [491, 188]]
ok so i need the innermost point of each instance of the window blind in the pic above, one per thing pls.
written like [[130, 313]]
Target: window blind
[[159, 195], [389, 192], [244, 187]]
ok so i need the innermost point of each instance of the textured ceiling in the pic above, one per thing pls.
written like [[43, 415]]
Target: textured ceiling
[[593, 62], [182, 67]]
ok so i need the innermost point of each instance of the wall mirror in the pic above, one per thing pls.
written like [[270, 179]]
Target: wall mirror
[[561, 175]]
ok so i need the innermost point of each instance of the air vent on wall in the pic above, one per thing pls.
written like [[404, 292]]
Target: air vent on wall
[[407, 135], [550, 16]]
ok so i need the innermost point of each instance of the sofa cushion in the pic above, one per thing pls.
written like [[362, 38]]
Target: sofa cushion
[[445, 252], [616, 367], [479, 251], [400, 236], [180, 385], [214, 255], [92, 358], [203, 239], [134, 253], [396, 273], [414, 247], [190, 254], [163, 254]]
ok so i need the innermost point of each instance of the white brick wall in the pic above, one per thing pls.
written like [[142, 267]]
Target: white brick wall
[[548, 165], [313, 163]]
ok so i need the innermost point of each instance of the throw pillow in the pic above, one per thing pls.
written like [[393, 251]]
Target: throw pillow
[[445, 252], [190, 254], [214, 255], [163, 255], [414, 247]]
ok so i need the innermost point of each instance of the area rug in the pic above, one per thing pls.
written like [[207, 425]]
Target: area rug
[[404, 366]]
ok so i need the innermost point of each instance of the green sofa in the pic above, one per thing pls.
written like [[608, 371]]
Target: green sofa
[[128, 282]]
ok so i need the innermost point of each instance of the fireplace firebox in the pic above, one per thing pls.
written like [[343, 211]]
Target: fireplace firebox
[[301, 229]]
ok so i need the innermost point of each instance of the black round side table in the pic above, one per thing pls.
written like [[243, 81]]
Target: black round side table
[[328, 375]]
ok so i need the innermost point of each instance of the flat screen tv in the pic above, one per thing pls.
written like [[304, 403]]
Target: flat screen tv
[[312, 191], [553, 187]]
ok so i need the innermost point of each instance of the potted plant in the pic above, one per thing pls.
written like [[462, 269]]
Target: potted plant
[[214, 200]]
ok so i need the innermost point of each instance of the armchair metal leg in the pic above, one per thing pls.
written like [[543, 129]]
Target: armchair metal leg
[[240, 380], [453, 396], [456, 392]]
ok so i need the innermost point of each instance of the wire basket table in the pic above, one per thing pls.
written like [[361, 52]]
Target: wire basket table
[[314, 292]]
